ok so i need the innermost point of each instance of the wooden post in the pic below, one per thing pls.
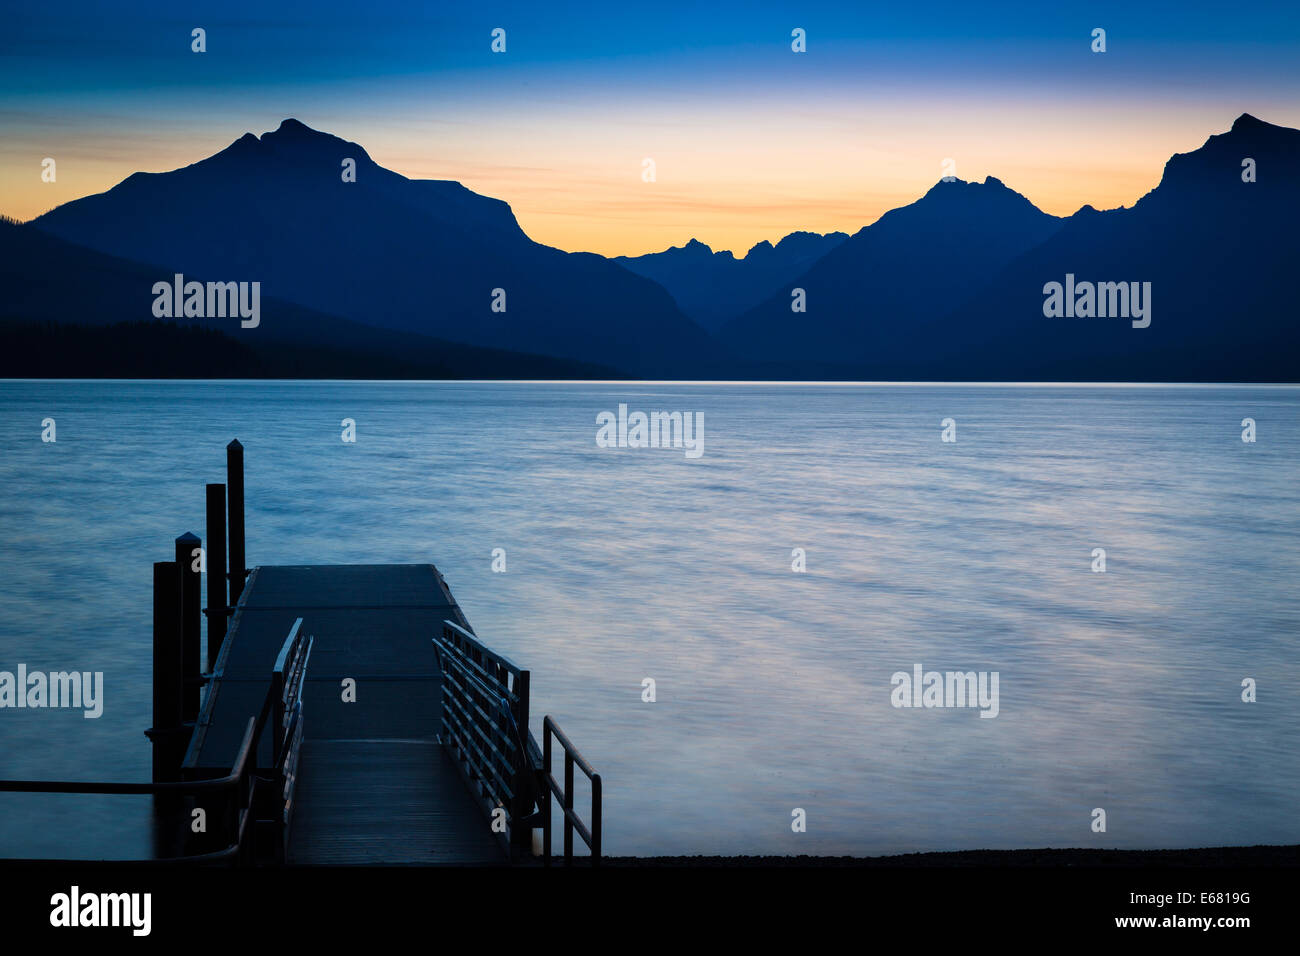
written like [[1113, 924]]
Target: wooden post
[[521, 836], [167, 673], [546, 764], [568, 807], [216, 572], [597, 803], [235, 496], [191, 625]]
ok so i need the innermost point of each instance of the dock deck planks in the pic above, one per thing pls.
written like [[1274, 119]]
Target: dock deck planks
[[374, 785]]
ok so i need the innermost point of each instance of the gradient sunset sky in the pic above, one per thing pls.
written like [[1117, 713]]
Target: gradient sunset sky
[[751, 141]]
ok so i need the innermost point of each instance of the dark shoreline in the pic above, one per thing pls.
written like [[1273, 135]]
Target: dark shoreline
[[1237, 856], [1261, 855]]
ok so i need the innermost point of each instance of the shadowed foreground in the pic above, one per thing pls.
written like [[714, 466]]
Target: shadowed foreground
[[1202, 856]]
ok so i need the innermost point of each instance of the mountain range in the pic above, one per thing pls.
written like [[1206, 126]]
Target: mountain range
[[418, 276], [713, 287], [951, 287], [385, 251]]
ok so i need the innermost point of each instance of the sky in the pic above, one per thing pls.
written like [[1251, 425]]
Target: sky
[[749, 139]]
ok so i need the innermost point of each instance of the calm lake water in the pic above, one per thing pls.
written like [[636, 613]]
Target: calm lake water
[[1120, 690]]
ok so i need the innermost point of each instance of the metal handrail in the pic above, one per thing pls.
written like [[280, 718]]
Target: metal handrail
[[530, 779], [485, 726], [176, 787], [572, 821], [451, 630], [457, 673], [291, 652]]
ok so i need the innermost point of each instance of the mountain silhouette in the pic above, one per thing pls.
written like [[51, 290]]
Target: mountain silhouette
[[1218, 251], [713, 287], [102, 306], [864, 298], [953, 286], [386, 251]]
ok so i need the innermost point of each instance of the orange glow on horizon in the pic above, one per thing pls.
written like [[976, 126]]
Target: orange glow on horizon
[[574, 180]]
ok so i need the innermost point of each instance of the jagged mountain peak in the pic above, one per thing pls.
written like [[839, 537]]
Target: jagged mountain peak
[[1214, 171], [958, 197], [952, 187], [293, 127], [292, 140], [1246, 122]]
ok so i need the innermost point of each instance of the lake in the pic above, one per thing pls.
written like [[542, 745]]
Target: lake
[[1118, 689]]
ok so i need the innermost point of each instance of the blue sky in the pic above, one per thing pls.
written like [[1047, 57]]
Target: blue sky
[[586, 91]]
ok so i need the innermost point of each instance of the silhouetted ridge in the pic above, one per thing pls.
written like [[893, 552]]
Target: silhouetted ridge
[[991, 195], [1212, 174], [869, 296], [949, 287], [712, 287], [411, 255], [1214, 243], [293, 127]]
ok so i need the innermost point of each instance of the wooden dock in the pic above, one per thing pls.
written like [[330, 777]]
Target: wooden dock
[[373, 785], [348, 715]]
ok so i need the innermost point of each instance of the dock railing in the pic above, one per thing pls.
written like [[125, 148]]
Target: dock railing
[[485, 730], [242, 792], [572, 822], [285, 700]]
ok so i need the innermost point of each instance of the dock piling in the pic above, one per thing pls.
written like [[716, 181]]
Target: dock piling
[[216, 572], [167, 733], [235, 508], [191, 614]]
